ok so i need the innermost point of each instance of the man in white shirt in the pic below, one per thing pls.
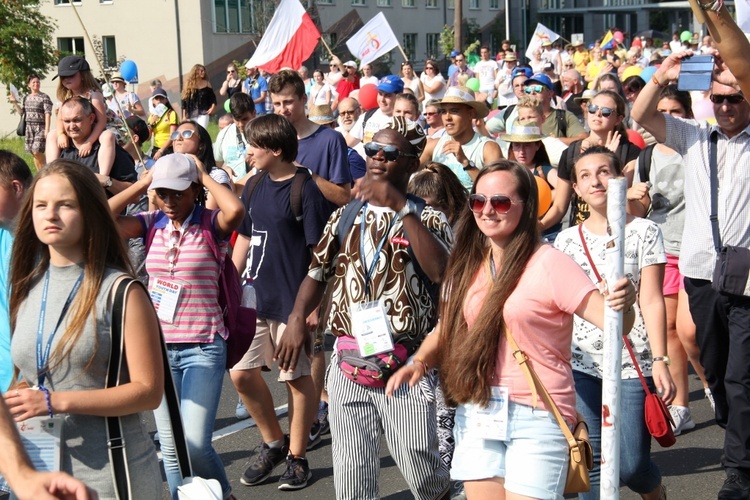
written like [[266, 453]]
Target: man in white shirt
[[372, 122], [486, 71]]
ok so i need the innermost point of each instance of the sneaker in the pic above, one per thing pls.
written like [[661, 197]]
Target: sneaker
[[241, 412], [297, 474], [325, 427], [683, 420], [156, 437], [710, 398], [736, 486], [314, 438], [265, 462]]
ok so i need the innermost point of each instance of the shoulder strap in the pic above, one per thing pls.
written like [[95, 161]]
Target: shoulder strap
[[252, 183], [368, 114], [346, 221], [297, 192], [714, 170], [507, 112], [151, 231], [562, 123], [644, 162]]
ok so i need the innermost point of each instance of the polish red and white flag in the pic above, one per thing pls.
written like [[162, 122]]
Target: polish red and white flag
[[291, 37]]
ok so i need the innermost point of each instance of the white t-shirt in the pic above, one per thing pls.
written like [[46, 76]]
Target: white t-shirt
[[643, 247], [485, 71], [431, 81], [129, 98], [230, 149], [366, 80], [372, 127]]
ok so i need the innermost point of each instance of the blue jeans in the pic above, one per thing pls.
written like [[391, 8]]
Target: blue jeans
[[637, 471], [198, 372]]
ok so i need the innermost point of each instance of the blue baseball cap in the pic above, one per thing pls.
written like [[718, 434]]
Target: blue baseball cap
[[521, 71], [454, 53], [540, 78], [391, 84]]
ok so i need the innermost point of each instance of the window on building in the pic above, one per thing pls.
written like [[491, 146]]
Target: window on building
[[410, 45], [384, 3], [474, 4], [432, 45], [431, 4], [494, 4], [109, 52], [71, 45], [67, 2], [359, 2], [408, 3], [234, 16], [451, 4], [105, 1], [325, 2]]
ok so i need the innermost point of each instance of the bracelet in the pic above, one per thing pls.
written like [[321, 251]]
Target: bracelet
[[47, 398], [714, 5], [423, 363], [656, 82]]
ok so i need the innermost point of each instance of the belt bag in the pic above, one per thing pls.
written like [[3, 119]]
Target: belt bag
[[732, 271], [371, 371]]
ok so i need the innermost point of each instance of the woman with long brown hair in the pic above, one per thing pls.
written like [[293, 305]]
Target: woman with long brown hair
[[499, 278], [198, 98], [67, 257]]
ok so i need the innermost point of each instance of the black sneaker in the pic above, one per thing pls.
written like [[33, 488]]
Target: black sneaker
[[736, 486], [325, 427], [314, 438], [265, 462], [297, 474]]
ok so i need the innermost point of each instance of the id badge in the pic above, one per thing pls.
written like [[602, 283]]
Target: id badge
[[371, 328], [42, 438], [166, 295], [490, 422]]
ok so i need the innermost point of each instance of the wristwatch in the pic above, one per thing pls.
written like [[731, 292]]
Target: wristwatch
[[666, 360], [409, 208], [108, 182], [469, 165]]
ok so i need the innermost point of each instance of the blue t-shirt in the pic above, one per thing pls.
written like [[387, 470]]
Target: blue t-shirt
[[357, 165], [325, 153], [255, 87], [280, 246], [6, 365]]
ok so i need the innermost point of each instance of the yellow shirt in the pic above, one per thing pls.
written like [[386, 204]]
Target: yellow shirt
[[161, 130]]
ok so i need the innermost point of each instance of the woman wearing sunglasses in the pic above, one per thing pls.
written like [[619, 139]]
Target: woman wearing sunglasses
[[432, 81], [191, 138], [183, 281], [605, 114], [498, 278]]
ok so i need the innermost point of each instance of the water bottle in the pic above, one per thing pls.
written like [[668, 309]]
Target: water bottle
[[248, 294]]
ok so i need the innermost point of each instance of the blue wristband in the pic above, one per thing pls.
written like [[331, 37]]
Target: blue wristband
[[47, 398]]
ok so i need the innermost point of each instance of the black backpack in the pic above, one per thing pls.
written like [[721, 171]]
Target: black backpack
[[348, 216], [644, 162], [298, 188]]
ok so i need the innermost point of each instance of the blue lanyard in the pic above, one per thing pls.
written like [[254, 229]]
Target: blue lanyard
[[41, 360], [379, 248]]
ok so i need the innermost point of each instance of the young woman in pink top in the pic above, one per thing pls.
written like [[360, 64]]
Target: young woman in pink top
[[500, 275], [183, 281]]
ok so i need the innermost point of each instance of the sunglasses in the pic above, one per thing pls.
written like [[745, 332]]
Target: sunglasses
[[430, 113], [164, 194], [459, 60], [185, 134], [537, 89], [230, 71], [606, 112], [344, 112], [428, 67], [499, 203], [731, 99], [390, 153]]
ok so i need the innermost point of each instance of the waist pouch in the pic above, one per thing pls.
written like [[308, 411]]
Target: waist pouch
[[371, 371]]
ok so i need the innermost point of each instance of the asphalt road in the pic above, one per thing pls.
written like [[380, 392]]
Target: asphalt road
[[690, 468]]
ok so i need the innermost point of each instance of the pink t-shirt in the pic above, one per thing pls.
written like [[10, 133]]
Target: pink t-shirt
[[539, 314]]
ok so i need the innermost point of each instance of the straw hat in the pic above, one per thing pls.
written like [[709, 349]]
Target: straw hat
[[463, 95], [587, 95], [521, 133], [321, 114]]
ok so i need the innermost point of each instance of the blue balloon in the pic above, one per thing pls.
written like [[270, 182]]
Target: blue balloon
[[128, 70], [647, 73]]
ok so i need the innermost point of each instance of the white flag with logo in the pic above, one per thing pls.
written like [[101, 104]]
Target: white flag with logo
[[742, 7], [373, 40], [541, 33]]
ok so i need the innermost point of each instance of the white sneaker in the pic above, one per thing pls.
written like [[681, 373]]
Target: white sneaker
[[683, 420], [710, 397], [241, 412]]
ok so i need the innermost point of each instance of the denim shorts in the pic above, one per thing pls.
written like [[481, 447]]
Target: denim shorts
[[533, 461]]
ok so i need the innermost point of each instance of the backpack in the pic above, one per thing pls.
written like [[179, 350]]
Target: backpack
[[644, 162], [348, 216], [301, 176], [238, 320], [368, 115]]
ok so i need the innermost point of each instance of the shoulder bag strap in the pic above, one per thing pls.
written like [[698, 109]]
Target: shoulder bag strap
[[536, 384], [713, 167]]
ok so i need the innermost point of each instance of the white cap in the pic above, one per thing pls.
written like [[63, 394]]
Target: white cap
[[175, 171]]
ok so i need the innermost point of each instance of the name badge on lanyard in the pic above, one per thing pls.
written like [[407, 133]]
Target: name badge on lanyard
[[490, 422], [371, 328]]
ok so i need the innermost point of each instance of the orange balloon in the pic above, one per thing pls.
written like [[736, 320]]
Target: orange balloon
[[545, 195]]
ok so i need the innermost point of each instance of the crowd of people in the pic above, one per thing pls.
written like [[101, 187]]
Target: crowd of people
[[417, 236]]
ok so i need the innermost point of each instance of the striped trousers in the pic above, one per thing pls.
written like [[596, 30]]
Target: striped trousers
[[358, 415]]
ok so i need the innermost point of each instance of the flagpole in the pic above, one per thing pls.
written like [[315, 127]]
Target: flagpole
[[612, 338], [330, 52], [406, 59]]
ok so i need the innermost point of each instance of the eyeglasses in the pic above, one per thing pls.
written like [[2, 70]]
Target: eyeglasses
[[537, 89], [175, 236], [430, 113], [163, 194], [390, 153], [606, 112], [230, 71], [428, 67], [459, 60], [345, 112], [185, 134], [731, 99], [499, 203]]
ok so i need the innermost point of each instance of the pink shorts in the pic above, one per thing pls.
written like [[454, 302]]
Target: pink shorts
[[673, 280]]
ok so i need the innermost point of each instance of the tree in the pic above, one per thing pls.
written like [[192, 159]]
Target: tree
[[25, 42]]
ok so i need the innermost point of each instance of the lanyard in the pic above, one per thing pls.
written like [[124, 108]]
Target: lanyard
[[173, 251], [378, 249], [42, 359]]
